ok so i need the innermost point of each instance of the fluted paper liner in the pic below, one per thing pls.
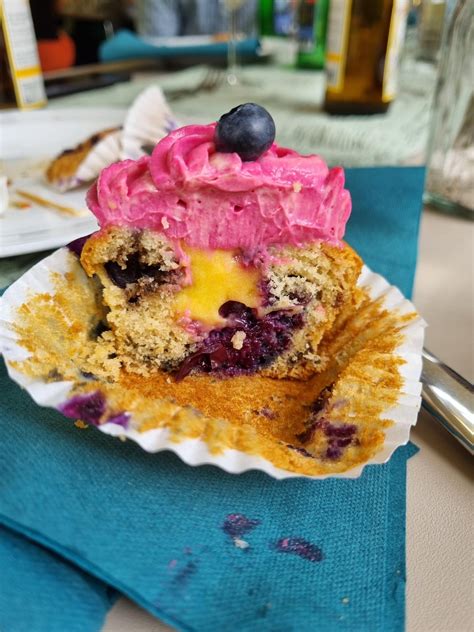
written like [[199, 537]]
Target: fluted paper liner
[[148, 120], [103, 154], [196, 450]]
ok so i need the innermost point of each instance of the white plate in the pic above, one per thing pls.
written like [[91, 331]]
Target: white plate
[[29, 140]]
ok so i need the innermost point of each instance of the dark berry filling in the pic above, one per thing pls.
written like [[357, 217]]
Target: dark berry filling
[[133, 271], [77, 245], [98, 329], [264, 340], [339, 436], [88, 408]]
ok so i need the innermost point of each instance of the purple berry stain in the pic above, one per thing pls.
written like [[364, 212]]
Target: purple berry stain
[[77, 245], [184, 574], [236, 526], [338, 435], [120, 419], [88, 408], [300, 547]]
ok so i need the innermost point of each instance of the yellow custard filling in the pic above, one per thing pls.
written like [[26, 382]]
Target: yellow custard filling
[[217, 277]]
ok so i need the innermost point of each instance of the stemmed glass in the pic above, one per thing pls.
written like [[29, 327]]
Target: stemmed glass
[[233, 68]]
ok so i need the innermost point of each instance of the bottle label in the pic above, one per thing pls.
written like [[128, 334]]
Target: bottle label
[[396, 37], [283, 17], [20, 42], [337, 38]]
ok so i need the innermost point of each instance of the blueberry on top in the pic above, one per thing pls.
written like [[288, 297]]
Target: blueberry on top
[[247, 129]]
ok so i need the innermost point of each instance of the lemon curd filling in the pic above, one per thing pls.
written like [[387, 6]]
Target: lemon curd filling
[[217, 277]]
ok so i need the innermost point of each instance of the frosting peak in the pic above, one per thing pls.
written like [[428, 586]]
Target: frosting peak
[[187, 190]]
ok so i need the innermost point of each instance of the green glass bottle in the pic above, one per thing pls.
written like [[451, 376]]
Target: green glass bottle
[[265, 17], [311, 33]]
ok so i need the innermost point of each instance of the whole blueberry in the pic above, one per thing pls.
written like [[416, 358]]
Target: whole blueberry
[[247, 129]]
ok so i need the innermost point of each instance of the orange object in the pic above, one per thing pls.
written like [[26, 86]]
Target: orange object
[[56, 54]]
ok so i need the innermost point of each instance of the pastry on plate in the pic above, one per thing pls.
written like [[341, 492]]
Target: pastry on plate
[[75, 166], [222, 253]]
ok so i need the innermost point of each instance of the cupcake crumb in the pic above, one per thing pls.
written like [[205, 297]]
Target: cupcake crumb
[[237, 339]]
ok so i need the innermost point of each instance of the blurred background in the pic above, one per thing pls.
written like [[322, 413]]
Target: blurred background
[[304, 58]]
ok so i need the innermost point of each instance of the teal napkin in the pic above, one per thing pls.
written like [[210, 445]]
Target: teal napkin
[[128, 45], [40, 591], [205, 550]]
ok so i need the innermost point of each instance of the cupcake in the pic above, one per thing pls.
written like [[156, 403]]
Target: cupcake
[[222, 253], [218, 312]]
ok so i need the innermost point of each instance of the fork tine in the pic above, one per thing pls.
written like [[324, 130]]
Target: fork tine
[[209, 78], [213, 79]]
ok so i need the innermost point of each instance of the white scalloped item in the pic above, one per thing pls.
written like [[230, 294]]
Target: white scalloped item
[[148, 120], [195, 451], [103, 154]]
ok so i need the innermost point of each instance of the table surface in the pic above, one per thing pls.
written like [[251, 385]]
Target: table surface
[[439, 493]]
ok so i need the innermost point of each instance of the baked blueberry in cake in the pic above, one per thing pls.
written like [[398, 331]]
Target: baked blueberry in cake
[[222, 253]]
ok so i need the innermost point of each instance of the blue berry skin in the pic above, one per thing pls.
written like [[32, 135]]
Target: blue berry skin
[[247, 130]]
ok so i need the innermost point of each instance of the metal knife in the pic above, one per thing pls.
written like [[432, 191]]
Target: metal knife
[[449, 398]]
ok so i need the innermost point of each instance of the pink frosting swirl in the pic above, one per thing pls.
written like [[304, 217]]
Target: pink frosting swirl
[[189, 191]]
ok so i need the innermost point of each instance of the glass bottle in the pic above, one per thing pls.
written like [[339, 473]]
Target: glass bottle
[[363, 45], [311, 33], [430, 28], [450, 162]]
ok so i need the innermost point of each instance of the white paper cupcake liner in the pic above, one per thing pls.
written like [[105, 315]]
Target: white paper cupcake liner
[[195, 451], [148, 120], [103, 154]]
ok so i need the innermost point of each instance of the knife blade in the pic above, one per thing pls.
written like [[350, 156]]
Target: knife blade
[[449, 398]]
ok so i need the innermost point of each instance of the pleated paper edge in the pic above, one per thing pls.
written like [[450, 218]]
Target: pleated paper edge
[[103, 154], [148, 120], [195, 452]]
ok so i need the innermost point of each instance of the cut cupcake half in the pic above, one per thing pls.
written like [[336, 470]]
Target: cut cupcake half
[[187, 310]]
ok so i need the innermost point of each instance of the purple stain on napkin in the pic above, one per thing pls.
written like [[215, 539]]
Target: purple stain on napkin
[[300, 547], [184, 574], [237, 525], [88, 408]]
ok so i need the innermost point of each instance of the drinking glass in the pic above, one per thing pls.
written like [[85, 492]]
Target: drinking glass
[[450, 163], [243, 12]]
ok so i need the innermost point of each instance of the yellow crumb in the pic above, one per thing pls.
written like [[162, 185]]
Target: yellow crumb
[[81, 424]]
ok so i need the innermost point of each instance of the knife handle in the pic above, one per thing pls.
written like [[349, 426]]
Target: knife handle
[[449, 398]]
